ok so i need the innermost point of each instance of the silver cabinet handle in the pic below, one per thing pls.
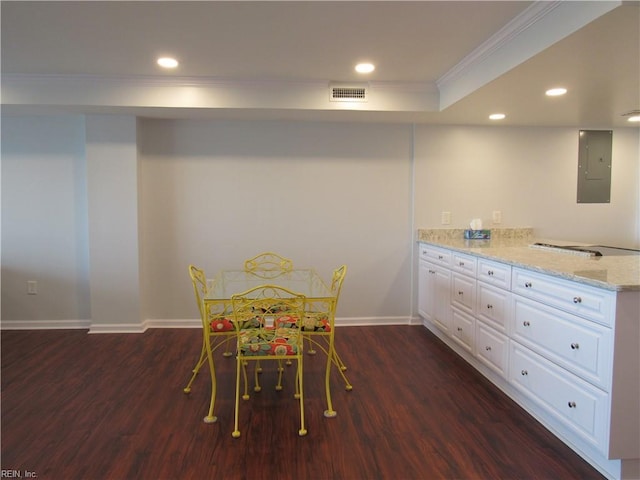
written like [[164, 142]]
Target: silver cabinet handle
[[490, 272], [461, 264], [526, 323], [575, 346], [528, 285], [571, 404], [524, 373], [440, 257], [459, 329], [487, 348], [577, 300], [489, 306], [460, 292]]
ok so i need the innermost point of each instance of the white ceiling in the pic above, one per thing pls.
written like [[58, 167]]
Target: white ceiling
[[437, 62]]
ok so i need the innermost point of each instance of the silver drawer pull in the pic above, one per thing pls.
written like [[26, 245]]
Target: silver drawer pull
[[490, 272], [459, 329], [440, 257], [577, 300], [460, 292], [524, 373], [489, 306], [526, 323], [528, 285], [461, 264], [575, 346], [571, 404], [487, 348]]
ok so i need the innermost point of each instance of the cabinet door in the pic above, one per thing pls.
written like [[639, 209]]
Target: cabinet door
[[576, 344], [492, 348], [493, 306], [463, 292], [433, 295], [463, 329], [577, 404], [425, 291]]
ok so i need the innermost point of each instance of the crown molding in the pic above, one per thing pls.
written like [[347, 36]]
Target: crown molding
[[537, 28], [502, 37]]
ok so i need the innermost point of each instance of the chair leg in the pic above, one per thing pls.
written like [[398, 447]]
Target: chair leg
[[299, 384], [210, 418], [280, 370], [329, 412], [227, 352], [196, 369], [239, 365], [341, 369], [246, 381], [310, 350]]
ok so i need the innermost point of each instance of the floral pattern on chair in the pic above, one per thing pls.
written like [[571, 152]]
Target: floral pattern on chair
[[274, 341]]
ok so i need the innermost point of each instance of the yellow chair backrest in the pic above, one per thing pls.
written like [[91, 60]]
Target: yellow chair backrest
[[336, 281], [199, 280], [268, 265], [267, 306]]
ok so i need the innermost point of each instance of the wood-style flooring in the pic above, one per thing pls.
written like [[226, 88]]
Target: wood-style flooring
[[111, 406]]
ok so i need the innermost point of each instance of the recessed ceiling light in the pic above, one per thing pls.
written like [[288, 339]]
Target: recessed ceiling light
[[365, 67], [497, 116], [632, 116], [167, 62], [555, 92]]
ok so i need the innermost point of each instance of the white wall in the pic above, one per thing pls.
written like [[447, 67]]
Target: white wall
[[530, 175], [215, 193], [44, 220]]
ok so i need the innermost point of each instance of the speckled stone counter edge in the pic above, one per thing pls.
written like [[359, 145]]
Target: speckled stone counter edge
[[512, 246]]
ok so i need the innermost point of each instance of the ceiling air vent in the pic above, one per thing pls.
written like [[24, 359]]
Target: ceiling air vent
[[348, 93]]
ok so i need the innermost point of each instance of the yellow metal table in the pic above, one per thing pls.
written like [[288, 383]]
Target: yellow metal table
[[217, 302]]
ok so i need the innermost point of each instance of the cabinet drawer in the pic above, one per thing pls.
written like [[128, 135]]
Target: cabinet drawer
[[588, 302], [576, 344], [463, 329], [493, 306], [462, 263], [575, 403], [463, 292], [436, 255], [494, 273], [492, 348]]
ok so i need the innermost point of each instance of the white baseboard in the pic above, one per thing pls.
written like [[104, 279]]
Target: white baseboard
[[45, 324], [175, 323]]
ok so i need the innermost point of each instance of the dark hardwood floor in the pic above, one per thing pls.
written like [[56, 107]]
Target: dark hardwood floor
[[111, 406]]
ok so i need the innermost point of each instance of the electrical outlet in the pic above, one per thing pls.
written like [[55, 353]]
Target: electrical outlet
[[497, 216], [446, 218], [32, 287]]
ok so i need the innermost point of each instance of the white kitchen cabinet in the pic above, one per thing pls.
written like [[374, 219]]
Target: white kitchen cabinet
[[578, 345], [493, 306], [577, 404], [566, 351], [494, 273], [492, 348], [583, 300], [434, 288], [463, 292], [463, 329]]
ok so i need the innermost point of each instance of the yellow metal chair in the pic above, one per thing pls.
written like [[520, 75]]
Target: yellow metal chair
[[268, 265], [276, 311], [217, 329], [318, 328]]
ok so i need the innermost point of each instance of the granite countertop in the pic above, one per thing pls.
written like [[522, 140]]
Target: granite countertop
[[512, 246]]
